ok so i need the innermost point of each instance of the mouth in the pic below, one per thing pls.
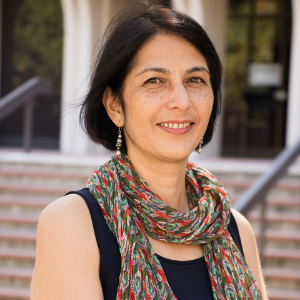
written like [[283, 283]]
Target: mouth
[[175, 125]]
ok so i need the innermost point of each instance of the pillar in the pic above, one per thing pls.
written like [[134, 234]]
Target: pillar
[[76, 68], [293, 109]]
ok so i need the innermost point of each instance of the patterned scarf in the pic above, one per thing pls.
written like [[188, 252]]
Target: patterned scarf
[[132, 209]]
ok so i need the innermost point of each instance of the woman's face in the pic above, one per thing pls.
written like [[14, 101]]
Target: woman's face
[[168, 99]]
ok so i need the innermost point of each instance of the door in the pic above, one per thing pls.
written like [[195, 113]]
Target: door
[[256, 77]]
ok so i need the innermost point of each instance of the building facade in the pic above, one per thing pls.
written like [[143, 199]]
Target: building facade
[[258, 42]]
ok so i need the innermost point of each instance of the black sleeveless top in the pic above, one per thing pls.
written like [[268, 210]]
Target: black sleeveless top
[[189, 280]]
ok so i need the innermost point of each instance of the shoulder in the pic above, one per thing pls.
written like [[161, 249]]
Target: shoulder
[[67, 216], [250, 248], [246, 234], [243, 224], [67, 255], [65, 209], [66, 220]]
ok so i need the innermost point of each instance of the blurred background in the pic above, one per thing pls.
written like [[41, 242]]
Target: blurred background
[[47, 52]]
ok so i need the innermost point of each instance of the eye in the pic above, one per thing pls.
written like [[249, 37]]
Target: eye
[[196, 80], [153, 80]]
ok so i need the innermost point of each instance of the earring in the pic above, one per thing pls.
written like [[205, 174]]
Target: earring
[[119, 143], [200, 146]]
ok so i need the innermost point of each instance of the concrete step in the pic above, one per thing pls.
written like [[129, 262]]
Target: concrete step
[[281, 274], [282, 258], [278, 294], [287, 254], [19, 219], [17, 189], [282, 278], [242, 184], [276, 217], [280, 235], [14, 276], [18, 238], [14, 293], [17, 235], [37, 178], [283, 202], [278, 201], [44, 174], [23, 273], [17, 257], [23, 202], [17, 205], [20, 254], [280, 238]]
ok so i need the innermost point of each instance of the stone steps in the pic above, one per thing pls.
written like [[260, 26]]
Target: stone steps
[[276, 217], [276, 220], [283, 254], [27, 187], [9, 293], [17, 235], [18, 277], [279, 294], [23, 202], [18, 221], [278, 273], [15, 253], [17, 189]]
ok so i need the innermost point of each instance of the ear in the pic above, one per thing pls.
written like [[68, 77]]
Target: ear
[[113, 107]]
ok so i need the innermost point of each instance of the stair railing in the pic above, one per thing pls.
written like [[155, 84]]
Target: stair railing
[[257, 192], [24, 96]]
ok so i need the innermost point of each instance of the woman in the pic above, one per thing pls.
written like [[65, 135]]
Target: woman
[[164, 227]]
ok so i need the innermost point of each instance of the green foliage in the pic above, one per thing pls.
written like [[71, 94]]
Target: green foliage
[[241, 50], [236, 61], [38, 37]]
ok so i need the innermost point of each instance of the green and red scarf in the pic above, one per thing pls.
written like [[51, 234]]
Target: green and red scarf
[[132, 210]]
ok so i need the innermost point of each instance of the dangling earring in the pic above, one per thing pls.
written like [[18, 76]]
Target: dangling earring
[[119, 143], [200, 146]]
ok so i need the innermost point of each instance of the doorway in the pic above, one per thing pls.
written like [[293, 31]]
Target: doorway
[[256, 77]]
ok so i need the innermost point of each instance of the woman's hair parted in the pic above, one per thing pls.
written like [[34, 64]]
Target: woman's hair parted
[[124, 36]]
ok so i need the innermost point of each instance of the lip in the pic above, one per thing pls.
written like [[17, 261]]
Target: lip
[[177, 131], [176, 121]]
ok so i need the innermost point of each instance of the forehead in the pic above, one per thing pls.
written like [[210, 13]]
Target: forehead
[[168, 50]]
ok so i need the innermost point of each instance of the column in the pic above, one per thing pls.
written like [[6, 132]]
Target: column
[[76, 69], [293, 109]]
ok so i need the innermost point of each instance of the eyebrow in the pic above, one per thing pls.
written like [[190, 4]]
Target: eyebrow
[[195, 69], [160, 70], [165, 71]]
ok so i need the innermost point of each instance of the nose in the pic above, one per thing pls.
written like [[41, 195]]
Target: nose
[[179, 98]]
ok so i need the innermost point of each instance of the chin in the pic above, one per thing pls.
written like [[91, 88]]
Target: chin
[[176, 155]]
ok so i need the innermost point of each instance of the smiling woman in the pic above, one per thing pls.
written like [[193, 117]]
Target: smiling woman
[[167, 87], [150, 224]]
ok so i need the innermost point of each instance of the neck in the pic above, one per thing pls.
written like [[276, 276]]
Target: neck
[[166, 179]]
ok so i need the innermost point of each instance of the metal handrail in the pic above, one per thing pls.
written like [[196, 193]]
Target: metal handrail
[[257, 192], [24, 96]]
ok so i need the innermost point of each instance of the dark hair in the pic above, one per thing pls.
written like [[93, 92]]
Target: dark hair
[[125, 35]]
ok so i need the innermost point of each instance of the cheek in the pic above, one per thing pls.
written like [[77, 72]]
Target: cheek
[[204, 99], [143, 106]]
